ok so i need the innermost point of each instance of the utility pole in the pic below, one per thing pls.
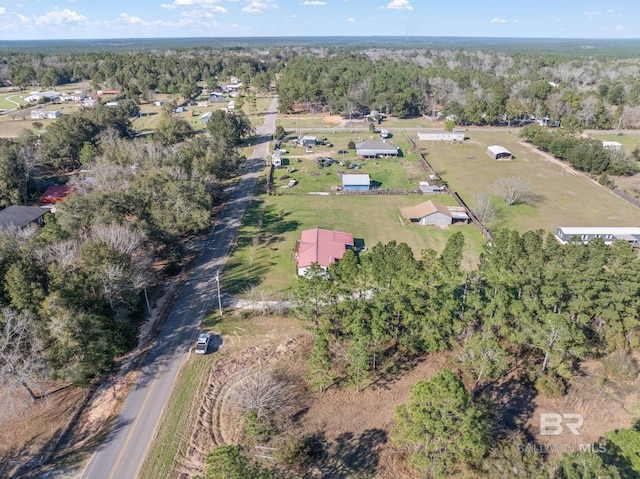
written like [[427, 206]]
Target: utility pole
[[219, 298]]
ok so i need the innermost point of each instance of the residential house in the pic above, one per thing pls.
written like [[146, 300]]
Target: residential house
[[307, 141], [442, 136], [608, 234], [217, 98], [321, 246], [612, 145], [433, 213], [205, 117], [376, 148], [56, 193], [45, 115], [19, 217], [36, 96]]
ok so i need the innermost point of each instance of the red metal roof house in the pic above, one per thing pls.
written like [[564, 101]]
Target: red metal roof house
[[323, 247], [56, 193]]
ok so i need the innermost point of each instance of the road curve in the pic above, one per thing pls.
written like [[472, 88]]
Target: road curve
[[124, 450]]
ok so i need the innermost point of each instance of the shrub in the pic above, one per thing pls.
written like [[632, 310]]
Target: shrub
[[550, 384], [620, 365]]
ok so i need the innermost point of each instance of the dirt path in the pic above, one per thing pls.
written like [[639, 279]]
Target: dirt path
[[562, 164]]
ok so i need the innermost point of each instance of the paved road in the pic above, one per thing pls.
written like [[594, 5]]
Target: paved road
[[121, 456]]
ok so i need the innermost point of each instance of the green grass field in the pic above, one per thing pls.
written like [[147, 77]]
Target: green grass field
[[272, 224], [396, 173], [629, 140], [564, 199]]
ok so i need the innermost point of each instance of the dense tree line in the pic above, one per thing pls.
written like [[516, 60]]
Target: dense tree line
[[140, 72], [470, 87], [585, 154], [531, 304], [71, 291]]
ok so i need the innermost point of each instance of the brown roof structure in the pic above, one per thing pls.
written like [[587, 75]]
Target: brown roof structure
[[424, 209]]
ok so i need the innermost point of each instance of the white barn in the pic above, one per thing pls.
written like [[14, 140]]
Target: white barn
[[498, 152]]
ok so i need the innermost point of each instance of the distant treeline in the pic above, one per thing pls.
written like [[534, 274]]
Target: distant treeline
[[469, 81]]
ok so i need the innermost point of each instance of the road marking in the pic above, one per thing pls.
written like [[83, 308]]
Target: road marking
[[135, 423]]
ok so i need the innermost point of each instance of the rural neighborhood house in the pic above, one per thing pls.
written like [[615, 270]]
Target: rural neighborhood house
[[608, 234], [321, 246], [19, 217], [376, 148], [434, 213]]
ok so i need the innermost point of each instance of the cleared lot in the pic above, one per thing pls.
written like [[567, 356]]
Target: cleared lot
[[564, 198]]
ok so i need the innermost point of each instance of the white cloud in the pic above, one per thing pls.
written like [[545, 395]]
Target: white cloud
[[126, 18], [195, 2], [2, 10], [618, 28], [610, 10], [58, 17], [256, 6], [591, 13], [399, 5], [208, 4], [351, 20], [196, 14], [497, 20], [313, 3]]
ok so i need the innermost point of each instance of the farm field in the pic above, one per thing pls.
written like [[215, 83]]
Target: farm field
[[564, 197], [629, 139], [10, 128], [262, 259]]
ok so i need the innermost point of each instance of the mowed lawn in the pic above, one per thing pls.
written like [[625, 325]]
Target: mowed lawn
[[564, 199], [263, 256]]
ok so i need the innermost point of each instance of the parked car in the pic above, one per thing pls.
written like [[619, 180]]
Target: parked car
[[329, 145], [203, 343], [342, 152]]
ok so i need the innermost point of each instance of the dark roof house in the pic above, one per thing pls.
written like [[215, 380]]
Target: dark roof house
[[19, 217], [375, 148]]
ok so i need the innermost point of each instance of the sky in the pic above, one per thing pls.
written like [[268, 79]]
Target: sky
[[97, 19]]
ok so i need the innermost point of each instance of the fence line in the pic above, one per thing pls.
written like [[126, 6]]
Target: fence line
[[474, 219]]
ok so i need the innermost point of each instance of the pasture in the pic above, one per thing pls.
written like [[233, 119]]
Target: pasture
[[263, 256], [563, 197]]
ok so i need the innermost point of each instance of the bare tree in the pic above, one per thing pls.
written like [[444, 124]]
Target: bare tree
[[588, 112], [483, 208], [122, 238], [21, 359], [513, 190], [266, 393]]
